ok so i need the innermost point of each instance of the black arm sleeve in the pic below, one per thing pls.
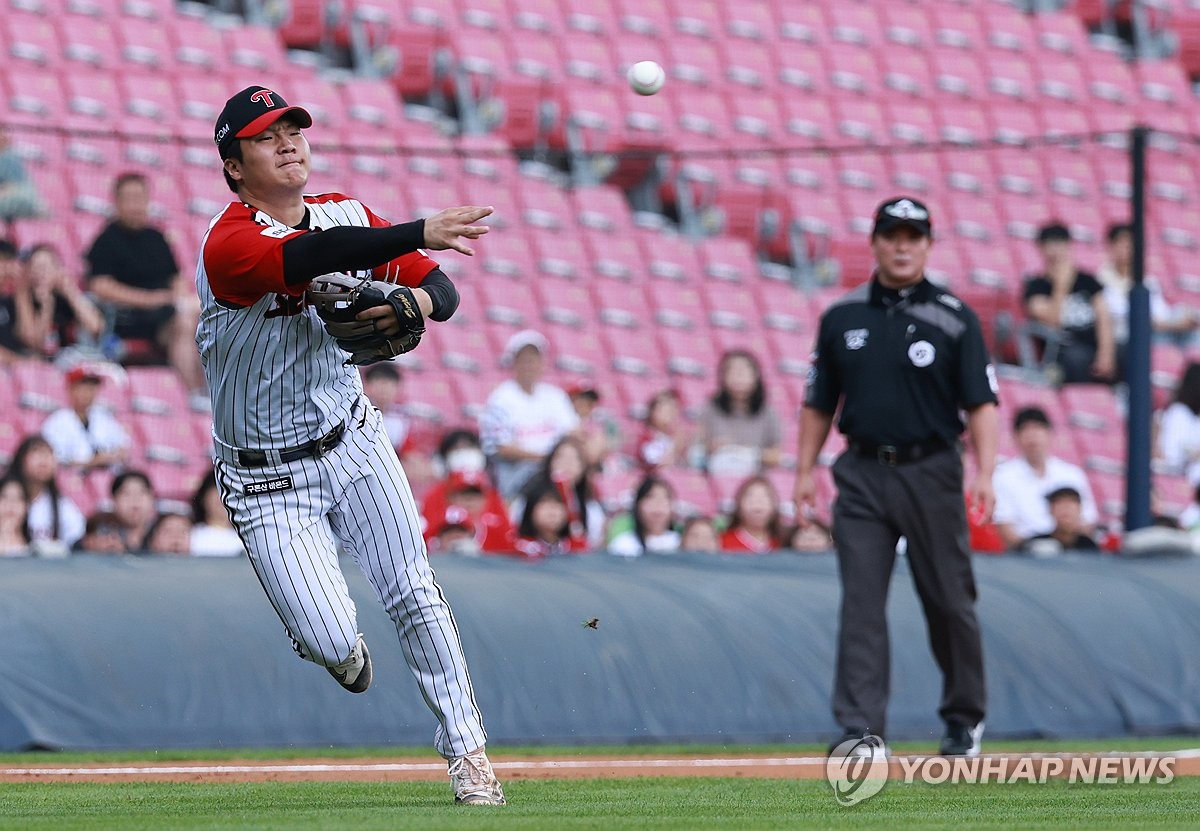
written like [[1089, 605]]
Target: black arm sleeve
[[347, 248], [443, 294]]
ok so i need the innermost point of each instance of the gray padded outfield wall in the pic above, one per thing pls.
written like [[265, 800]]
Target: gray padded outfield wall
[[120, 652]]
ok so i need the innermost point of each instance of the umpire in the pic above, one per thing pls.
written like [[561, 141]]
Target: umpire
[[904, 359]]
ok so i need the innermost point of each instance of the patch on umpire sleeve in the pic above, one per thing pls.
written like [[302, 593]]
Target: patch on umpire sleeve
[[283, 483]]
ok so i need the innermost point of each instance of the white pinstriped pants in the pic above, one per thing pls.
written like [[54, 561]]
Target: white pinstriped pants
[[291, 518]]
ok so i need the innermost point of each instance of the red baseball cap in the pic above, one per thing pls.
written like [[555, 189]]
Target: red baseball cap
[[466, 480], [251, 111], [583, 387], [80, 374]]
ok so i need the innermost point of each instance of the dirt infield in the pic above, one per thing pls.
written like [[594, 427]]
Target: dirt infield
[[1187, 763]]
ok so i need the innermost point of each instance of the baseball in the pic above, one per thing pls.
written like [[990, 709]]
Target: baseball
[[646, 77]]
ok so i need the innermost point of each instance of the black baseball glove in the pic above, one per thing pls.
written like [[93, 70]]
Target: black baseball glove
[[338, 298]]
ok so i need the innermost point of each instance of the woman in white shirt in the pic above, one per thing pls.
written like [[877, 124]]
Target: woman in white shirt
[[55, 522], [653, 521], [1179, 427], [212, 532]]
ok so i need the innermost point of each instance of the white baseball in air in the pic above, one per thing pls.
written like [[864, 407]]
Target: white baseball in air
[[646, 77]]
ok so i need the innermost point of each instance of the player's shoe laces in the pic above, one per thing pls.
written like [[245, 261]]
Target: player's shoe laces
[[354, 673], [962, 740], [473, 780]]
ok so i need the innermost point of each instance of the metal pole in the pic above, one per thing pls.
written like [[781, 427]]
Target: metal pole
[[1137, 372]]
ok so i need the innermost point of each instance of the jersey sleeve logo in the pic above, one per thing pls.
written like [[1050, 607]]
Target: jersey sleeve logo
[[279, 231]]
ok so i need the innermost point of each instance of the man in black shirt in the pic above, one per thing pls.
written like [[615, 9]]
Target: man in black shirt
[[1071, 303], [902, 358], [133, 275]]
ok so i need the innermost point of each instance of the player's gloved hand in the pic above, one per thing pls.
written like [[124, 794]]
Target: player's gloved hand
[[339, 298]]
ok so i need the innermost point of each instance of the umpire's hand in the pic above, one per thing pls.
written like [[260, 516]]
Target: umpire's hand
[[444, 229]]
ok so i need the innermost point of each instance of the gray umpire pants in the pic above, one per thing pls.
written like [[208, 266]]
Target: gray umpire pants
[[875, 506]]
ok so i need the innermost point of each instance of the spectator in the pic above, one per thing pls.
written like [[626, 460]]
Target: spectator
[[383, 384], [19, 198], [566, 466], [1189, 517], [739, 430], [699, 535], [524, 416], [756, 525], [1179, 427], [812, 537], [102, 535], [597, 430], [11, 345], [14, 518], [454, 532], [546, 528], [133, 505], [170, 533], [55, 314], [460, 451], [55, 523], [653, 521], [212, 532], [466, 500], [1022, 483], [84, 434], [1069, 532], [1116, 275], [664, 440], [1071, 303], [134, 276]]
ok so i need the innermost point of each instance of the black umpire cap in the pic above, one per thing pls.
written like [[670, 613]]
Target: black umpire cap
[[902, 211], [251, 111]]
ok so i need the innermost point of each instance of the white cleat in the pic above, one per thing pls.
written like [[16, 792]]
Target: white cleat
[[355, 672], [474, 782]]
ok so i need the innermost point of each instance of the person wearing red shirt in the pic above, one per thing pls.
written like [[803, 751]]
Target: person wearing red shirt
[[756, 525]]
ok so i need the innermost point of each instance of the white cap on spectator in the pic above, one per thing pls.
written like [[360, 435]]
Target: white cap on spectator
[[521, 339]]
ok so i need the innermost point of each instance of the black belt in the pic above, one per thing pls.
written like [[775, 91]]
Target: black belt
[[891, 454], [317, 447]]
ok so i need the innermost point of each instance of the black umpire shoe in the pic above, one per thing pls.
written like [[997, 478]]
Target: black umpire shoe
[[866, 743], [961, 740], [354, 673]]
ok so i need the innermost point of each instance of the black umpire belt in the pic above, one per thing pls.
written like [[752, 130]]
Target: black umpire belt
[[892, 454], [316, 448]]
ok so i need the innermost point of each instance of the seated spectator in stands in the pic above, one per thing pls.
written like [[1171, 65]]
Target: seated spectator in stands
[[1071, 302], [546, 528], [524, 416], [699, 535], [212, 533], [813, 536], [383, 384], [19, 198], [170, 533], [11, 346], [653, 515], [134, 277], [102, 535], [740, 432], [566, 466], [133, 504], [84, 434], [454, 533], [756, 524], [55, 522], [596, 430], [1179, 427], [14, 518], [486, 514], [1022, 483], [1116, 275], [664, 441], [460, 451], [59, 315], [1069, 532]]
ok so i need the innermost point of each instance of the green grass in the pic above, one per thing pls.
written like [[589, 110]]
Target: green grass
[[749, 804], [1157, 743]]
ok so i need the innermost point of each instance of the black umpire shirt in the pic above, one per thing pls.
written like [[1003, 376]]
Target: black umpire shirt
[[902, 363]]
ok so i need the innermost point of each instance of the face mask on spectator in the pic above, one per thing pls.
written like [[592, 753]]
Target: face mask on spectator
[[465, 460]]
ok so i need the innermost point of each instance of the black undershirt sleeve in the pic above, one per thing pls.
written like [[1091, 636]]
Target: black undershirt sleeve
[[349, 248], [443, 294]]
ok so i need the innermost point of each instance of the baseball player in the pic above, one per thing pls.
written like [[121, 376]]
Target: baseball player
[[302, 460]]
